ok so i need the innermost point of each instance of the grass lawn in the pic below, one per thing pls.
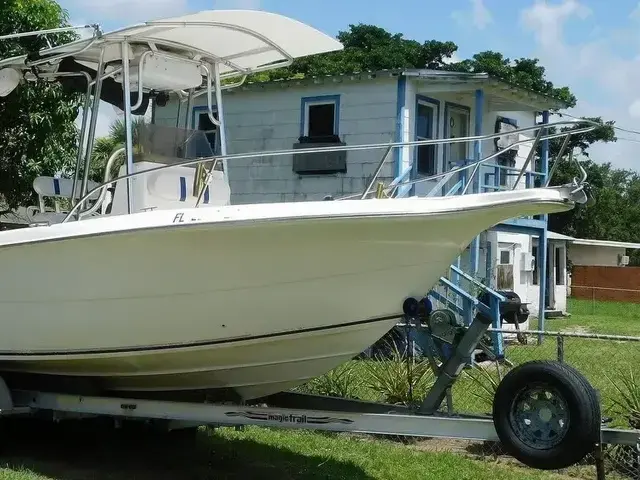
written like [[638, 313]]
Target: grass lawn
[[613, 318], [40, 452], [255, 453]]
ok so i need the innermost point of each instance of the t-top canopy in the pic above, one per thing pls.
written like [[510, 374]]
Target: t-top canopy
[[243, 41]]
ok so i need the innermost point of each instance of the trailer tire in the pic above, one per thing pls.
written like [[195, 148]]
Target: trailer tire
[[558, 426]]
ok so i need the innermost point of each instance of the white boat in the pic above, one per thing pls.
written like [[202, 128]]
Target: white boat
[[159, 294]]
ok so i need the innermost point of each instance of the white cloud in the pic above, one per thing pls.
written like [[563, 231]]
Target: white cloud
[[547, 20], [479, 15], [454, 58], [237, 4], [603, 79]]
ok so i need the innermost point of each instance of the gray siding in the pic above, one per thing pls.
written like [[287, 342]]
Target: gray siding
[[270, 119]]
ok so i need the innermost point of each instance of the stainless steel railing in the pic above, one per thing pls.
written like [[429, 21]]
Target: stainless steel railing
[[387, 146]]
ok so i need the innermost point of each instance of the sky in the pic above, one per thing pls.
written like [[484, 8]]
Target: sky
[[591, 46]]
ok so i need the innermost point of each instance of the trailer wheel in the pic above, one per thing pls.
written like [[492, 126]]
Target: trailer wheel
[[546, 415]]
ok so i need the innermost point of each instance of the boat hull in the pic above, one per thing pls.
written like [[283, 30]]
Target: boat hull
[[250, 368], [237, 297]]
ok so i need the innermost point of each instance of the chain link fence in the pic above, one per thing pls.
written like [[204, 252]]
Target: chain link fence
[[606, 301]]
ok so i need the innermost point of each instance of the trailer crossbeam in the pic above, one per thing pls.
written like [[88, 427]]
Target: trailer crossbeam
[[230, 415], [479, 428]]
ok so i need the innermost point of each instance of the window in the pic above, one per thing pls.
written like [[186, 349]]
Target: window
[[536, 272], [507, 158], [320, 119], [204, 123], [426, 154], [504, 270], [559, 265], [320, 124]]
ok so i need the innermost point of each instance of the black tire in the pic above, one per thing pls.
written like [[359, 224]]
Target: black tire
[[582, 410], [594, 398]]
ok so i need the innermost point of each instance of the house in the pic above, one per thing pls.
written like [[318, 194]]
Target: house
[[599, 253], [594, 264], [378, 108]]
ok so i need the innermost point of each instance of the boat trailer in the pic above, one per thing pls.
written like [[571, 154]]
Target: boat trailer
[[545, 413]]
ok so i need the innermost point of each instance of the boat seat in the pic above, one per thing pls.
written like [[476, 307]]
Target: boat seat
[[59, 187], [178, 188], [167, 189]]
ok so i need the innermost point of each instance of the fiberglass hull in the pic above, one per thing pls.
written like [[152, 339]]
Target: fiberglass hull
[[256, 298]]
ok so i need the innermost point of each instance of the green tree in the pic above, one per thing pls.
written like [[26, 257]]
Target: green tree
[[105, 146], [616, 213], [604, 220], [524, 72], [368, 47], [38, 135]]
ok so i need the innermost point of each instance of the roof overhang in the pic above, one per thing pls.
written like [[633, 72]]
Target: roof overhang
[[590, 242], [558, 236], [604, 243], [502, 95]]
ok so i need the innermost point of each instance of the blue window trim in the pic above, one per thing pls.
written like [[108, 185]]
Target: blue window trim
[[436, 133], [445, 134], [321, 99]]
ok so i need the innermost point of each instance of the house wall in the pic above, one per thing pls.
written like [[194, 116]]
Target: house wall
[[523, 286], [516, 244], [558, 285], [491, 242], [594, 255], [270, 119]]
